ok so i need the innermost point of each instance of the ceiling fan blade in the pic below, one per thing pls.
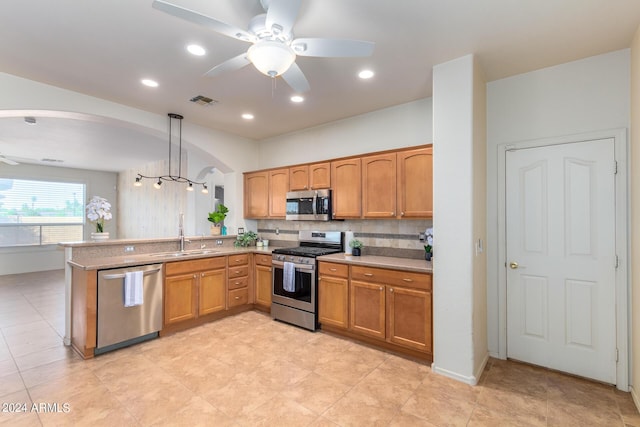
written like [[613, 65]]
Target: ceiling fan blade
[[3, 159], [331, 47], [296, 79], [206, 21], [281, 15], [232, 64]]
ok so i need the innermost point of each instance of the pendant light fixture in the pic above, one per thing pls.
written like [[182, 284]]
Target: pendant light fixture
[[179, 178]]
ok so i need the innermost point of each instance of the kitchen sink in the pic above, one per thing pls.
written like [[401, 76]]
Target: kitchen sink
[[184, 253]]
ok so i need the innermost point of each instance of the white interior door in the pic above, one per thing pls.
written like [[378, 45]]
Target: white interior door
[[561, 261]]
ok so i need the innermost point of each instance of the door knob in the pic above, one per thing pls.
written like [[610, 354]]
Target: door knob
[[513, 265]]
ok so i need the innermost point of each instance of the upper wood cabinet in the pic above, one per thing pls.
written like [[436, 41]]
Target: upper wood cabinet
[[379, 186], [346, 179], [415, 183], [256, 195], [278, 187], [299, 178], [310, 177]]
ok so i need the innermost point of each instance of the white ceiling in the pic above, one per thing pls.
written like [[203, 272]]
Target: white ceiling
[[104, 48]]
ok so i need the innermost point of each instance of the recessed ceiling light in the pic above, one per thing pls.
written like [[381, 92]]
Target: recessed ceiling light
[[247, 116], [194, 49], [365, 74], [297, 98], [149, 82]]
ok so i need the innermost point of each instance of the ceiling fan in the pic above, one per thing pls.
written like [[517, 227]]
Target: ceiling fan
[[8, 161], [274, 49]]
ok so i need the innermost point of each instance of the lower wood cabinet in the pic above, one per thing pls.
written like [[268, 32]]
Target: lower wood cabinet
[[194, 288], [333, 294], [393, 307], [238, 288], [263, 280]]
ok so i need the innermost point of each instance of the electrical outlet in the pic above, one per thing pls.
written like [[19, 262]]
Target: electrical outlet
[[219, 242], [421, 237], [277, 231], [129, 248]]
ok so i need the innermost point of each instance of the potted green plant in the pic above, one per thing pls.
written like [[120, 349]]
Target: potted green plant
[[216, 217], [245, 239], [356, 247]]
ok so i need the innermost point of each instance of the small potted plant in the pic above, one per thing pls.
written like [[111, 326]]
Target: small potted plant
[[428, 248], [356, 246], [216, 217], [99, 211], [245, 239]]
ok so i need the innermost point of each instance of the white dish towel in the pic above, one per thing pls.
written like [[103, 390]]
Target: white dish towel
[[289, 277], [133, 288]]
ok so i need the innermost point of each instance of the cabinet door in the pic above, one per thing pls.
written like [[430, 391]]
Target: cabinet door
[[333, 301], [256, 195], [409, 317], [278, 187], [180, 302], [367, 304], [320, 175], [379, 186], [212, 291], [263, 285], [347, 189], [299, 178], [415, 183]]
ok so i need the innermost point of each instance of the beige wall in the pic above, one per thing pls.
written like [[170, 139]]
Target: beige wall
[[635, 217]]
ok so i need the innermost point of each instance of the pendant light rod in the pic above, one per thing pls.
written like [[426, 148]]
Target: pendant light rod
[[179, 178]]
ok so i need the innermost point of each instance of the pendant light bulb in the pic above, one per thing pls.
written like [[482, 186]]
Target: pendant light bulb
[[158, 184], [138, 182], [190, 187], [205, 190]]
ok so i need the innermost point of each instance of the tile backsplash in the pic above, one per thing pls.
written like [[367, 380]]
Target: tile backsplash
[[380, 237]]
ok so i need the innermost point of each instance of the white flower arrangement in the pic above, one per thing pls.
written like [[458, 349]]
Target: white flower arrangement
[[428, 236], [98, 211]]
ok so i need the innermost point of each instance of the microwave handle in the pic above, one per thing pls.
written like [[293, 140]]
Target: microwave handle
[[315, 204]]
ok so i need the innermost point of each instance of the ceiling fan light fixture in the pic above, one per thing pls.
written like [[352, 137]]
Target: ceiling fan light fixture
[[196, 50], [366, 74], [297, 99], [271, 58]]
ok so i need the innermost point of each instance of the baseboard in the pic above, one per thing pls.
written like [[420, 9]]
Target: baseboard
[[471, 380]]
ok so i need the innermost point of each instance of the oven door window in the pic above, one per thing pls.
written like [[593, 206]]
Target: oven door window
[[303, 282], [301, 206]]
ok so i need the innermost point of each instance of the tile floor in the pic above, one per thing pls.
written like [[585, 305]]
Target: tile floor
[[248, 370]]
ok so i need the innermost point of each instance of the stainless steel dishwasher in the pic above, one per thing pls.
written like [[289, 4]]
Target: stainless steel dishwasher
[[119, 326]]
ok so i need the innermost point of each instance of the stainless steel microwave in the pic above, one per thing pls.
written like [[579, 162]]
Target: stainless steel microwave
[[314, 205]]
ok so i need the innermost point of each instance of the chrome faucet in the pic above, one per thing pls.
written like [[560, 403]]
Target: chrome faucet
[[181, 231]]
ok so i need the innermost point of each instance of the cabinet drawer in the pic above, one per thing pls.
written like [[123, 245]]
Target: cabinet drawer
[[334, 269], [190, 266], [238, 297], [262, 259], [238, 282], [242, 259], [392, 277], [238, 271]]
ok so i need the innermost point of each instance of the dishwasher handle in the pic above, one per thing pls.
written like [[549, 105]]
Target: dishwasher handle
[[121, 276]]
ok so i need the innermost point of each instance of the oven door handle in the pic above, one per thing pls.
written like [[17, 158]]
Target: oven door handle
[[297, 266]]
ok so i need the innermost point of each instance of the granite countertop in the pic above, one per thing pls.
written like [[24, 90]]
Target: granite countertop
[[405, 264], [102, 263]]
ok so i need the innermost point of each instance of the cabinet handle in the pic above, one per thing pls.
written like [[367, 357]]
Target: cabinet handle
[[408, 280], [390, 289], [237, 283], [195, 275], [202, 275], [333, 269], [401, 213], [381, 288], [368, 274], [237, 272], [237, 297]]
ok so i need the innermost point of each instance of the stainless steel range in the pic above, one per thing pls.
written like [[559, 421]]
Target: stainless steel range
[[295, 277]]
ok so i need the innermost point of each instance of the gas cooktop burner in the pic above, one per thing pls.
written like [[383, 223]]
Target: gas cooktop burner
[[308, 251]]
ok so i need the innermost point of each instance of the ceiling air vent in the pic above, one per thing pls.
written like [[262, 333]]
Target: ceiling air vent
[[203, 100]]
